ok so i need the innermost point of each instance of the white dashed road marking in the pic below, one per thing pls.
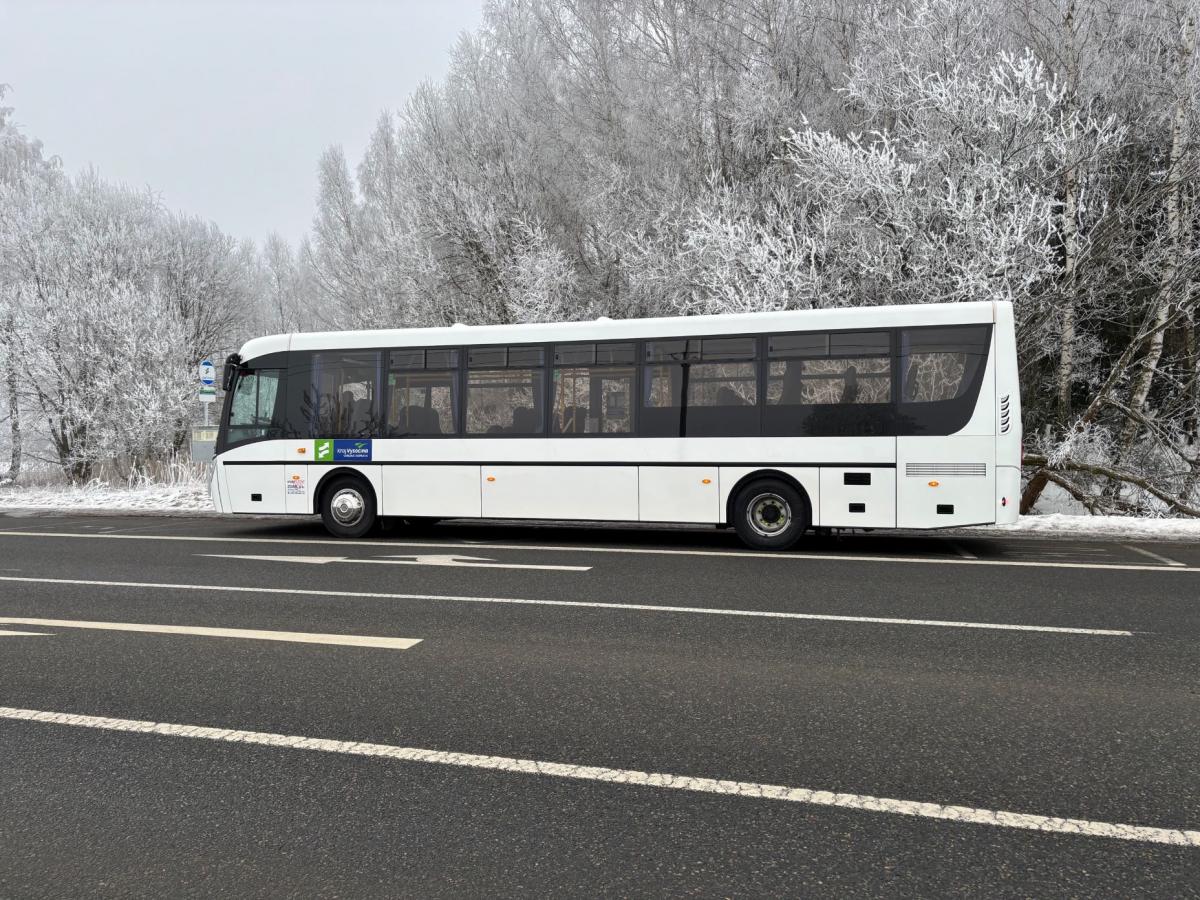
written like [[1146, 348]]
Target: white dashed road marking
[[746, 554], [294, 637], [1166, 560], [578, 604], [452, 561], [748, 789], [23, 634]]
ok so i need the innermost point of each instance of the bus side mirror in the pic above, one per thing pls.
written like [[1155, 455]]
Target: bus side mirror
[[232, 364]]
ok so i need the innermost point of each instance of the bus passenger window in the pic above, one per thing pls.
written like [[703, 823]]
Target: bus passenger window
[[829, 384], [701, 387], [816, 382], [940, 363], [941, 374], [594, 395], [340, 397], [508, 400], [422, 393]]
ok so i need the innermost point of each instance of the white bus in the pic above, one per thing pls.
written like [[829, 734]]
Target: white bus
[[772, 423]]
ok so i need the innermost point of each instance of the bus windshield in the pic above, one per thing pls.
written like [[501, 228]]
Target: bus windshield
[[255, 411]]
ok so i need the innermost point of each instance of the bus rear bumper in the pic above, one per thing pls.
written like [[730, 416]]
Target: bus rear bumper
[[1008, 494]]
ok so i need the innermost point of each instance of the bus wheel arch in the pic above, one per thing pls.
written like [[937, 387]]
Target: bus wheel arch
[[769, 491], [347, 503]]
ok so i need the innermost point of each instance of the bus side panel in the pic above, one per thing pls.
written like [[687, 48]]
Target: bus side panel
[[255, 488], [679, 494], [434, 491], [858, 497], [945, 481], [295, 484], [604, 493]]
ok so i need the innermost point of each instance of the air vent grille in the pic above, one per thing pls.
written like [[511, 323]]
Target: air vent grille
[[944, 470], [1005, 414]]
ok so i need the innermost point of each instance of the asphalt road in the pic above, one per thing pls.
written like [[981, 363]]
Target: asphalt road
[[589, 711]]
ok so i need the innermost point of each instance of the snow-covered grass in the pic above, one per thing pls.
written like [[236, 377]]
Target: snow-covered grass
[[179, 487], [1126, 527]]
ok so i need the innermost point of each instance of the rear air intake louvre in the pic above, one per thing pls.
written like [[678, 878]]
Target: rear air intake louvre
[[1005, 414], [944, 470]]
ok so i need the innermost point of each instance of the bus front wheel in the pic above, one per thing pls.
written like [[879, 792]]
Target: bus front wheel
[[770, 514], [348, 507]]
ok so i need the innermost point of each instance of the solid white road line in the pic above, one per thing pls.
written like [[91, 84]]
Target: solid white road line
[[747, 554], [462, 562], [294, 637], [23, 634], [961, 814], [578, 604], [1162, 559]]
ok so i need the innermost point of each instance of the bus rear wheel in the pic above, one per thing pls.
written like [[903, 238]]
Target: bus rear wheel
[[348, 507], [770, 514]]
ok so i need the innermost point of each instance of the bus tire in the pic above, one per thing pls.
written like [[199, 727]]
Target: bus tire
[[770, 514], [348, 506]]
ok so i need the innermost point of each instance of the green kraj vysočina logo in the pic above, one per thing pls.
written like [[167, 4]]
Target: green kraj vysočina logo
[[324, 451]]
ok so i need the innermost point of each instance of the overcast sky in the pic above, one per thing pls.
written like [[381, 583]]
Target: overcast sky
[[223, 108]]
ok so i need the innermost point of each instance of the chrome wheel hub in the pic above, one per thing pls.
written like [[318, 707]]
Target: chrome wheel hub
[[769, 515], [347, 507]]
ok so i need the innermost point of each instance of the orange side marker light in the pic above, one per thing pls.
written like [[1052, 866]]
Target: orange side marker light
[[933, 484]]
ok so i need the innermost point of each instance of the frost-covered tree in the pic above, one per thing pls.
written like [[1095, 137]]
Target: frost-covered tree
[[764, 154], [284, 288], [24, 173], [107, 302]]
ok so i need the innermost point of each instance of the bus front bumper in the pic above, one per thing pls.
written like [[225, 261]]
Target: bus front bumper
[[214, 489]]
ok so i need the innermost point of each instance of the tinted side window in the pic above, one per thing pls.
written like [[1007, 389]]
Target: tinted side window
[[422, 392], [592, 389], [345, 388], [835, 384], [505, 391], [705, 387], [941, 372], [940, 363], [823, 382]]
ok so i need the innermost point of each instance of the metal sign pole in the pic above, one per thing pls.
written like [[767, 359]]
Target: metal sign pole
[[203, 442]]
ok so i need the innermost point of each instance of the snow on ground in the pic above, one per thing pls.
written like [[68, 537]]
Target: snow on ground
[[1125, 527], [179, 497]]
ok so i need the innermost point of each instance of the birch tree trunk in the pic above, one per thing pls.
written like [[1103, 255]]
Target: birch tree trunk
[[14, 421], [1070, 226], [1191, 416], [1175, 234]]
